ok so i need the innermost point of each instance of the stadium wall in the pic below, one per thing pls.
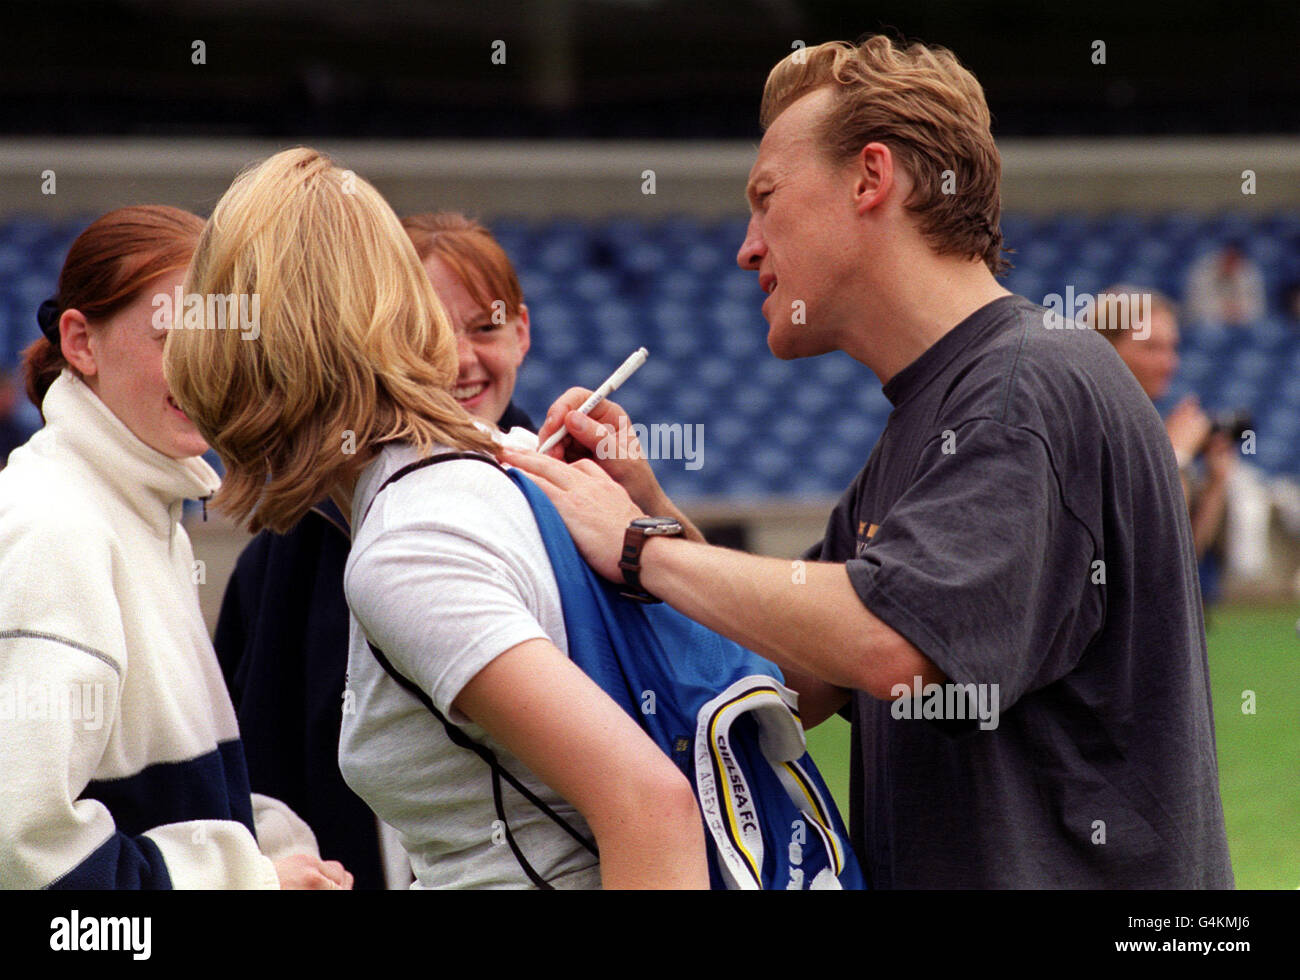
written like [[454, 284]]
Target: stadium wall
[[595, 179]]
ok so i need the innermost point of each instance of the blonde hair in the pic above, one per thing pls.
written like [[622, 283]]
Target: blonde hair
[[931, 113], [1124, 310], [352, 348]]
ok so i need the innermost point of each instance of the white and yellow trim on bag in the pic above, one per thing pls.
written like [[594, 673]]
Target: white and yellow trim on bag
[[725, 798]]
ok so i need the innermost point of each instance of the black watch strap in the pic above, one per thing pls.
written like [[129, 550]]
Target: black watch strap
[[634, 539]]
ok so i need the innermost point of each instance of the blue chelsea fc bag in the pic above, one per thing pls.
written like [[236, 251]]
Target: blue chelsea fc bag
[[718, 710]]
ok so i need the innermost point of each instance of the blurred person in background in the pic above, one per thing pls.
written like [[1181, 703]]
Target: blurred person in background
[[120, 759], [282, 635], [1226, 287], [1146, 339]]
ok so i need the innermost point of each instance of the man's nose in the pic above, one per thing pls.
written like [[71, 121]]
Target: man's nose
[[752, 249]]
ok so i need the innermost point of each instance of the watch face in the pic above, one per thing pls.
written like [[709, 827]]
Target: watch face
[[660, 525], [653, 521]]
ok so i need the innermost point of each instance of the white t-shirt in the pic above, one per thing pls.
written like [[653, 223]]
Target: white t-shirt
[[447, 572]]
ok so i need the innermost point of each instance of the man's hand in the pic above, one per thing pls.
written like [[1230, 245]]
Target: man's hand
[[1220, 459], [596, 510], [305, 872], [1211, 505], [1188, 428], [606, 438]]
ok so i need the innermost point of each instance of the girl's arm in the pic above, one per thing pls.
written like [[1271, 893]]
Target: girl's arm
[[558, 722], [62, 664]]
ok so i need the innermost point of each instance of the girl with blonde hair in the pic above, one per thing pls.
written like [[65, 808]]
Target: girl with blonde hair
[[348, 381], [285, 662]]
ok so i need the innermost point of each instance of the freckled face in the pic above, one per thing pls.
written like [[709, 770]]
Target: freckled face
[[490, 352]]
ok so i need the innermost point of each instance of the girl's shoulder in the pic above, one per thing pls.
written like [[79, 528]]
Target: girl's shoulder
[[44, 493], [442, 487]]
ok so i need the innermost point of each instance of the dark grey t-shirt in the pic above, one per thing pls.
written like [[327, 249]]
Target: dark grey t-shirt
[[1022, 523]]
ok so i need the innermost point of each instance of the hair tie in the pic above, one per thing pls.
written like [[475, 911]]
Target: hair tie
[[47, 315]]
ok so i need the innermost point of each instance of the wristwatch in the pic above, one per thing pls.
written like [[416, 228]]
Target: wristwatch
[[634, 539]]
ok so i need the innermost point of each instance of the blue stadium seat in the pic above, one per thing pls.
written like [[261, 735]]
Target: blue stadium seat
[[599, 289]]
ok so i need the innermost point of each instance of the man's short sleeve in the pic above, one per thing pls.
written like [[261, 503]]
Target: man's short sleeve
[[981, 565]]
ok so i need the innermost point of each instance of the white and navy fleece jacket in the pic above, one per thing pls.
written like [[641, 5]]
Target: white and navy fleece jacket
[[120, 759]]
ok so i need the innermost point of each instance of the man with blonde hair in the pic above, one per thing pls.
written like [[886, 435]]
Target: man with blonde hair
[[1006, 594]]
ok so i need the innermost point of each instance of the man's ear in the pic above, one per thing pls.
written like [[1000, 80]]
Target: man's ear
[[74, 342], [522, 332], [873, 170]]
